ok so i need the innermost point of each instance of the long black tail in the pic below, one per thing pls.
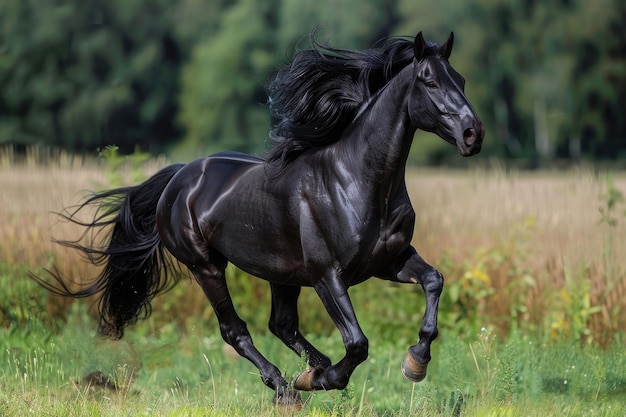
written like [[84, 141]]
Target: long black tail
[[136, 267]]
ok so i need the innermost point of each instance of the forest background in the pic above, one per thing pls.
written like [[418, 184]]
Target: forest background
[[188, 78]]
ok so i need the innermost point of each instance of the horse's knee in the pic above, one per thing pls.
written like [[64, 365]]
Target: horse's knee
[[432, 281]]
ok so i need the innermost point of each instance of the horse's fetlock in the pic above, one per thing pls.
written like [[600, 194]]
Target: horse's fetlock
[[359, 349], [428, 332]]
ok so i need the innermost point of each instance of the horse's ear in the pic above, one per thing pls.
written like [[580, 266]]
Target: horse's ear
[[419, 46], [446, 48]]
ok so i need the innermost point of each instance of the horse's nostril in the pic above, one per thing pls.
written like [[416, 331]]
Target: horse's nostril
[[469, 136]]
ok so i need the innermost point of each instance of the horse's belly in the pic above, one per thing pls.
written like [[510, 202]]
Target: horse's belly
[[266, 251]]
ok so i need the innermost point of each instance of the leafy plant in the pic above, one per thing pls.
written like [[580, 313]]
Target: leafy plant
[[485, 360], [123, 169]]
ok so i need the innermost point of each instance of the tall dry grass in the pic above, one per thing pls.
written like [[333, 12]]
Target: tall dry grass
[[546, 224], [459, 211], [34, 188]]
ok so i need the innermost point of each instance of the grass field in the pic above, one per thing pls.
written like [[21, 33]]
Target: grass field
[[532, 318]]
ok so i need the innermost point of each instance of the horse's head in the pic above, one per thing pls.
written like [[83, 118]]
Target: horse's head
[[437, 101]]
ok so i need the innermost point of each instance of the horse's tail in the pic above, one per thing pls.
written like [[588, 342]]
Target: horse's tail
[[136, 266]]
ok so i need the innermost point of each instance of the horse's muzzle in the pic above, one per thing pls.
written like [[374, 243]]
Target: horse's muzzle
[[472, 139]]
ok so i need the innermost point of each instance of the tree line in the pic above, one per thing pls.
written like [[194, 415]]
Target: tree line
[[188, 77]]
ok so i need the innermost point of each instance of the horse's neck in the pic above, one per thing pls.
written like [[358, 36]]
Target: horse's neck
[[382, 134]]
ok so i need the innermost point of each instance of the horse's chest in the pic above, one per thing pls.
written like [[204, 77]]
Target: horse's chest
[[390, 244], [386, 240]]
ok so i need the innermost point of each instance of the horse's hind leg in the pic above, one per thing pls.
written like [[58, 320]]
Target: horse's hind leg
[[284, 324], [235, 332]]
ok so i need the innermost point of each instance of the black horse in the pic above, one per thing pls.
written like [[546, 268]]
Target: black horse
[[327, 208]]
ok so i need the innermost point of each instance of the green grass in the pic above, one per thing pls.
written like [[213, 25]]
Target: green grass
[[184, 371]]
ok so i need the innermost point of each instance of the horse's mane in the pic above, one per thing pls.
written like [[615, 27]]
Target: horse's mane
[[314, 98]]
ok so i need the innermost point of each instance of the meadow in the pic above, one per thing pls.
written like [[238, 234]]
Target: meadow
[[532, 316]]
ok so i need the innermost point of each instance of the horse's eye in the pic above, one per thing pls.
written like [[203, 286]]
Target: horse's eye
[[431, 84]]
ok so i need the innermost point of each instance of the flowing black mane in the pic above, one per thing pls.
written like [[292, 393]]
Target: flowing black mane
[[316, 96]]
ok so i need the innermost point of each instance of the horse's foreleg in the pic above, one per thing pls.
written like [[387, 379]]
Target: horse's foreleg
[[334, 296], [411, 268], [235, 333], [284, 323]]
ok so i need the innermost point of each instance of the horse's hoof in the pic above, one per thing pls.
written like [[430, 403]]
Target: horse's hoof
[[304, 381], [413, 370], [288, 402]]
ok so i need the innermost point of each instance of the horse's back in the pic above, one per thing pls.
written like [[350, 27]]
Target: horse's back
[[196, 190], [224, 163], [236, 157], [223, 167]]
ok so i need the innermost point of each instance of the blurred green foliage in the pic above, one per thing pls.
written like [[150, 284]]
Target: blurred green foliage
[[187, 78]]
